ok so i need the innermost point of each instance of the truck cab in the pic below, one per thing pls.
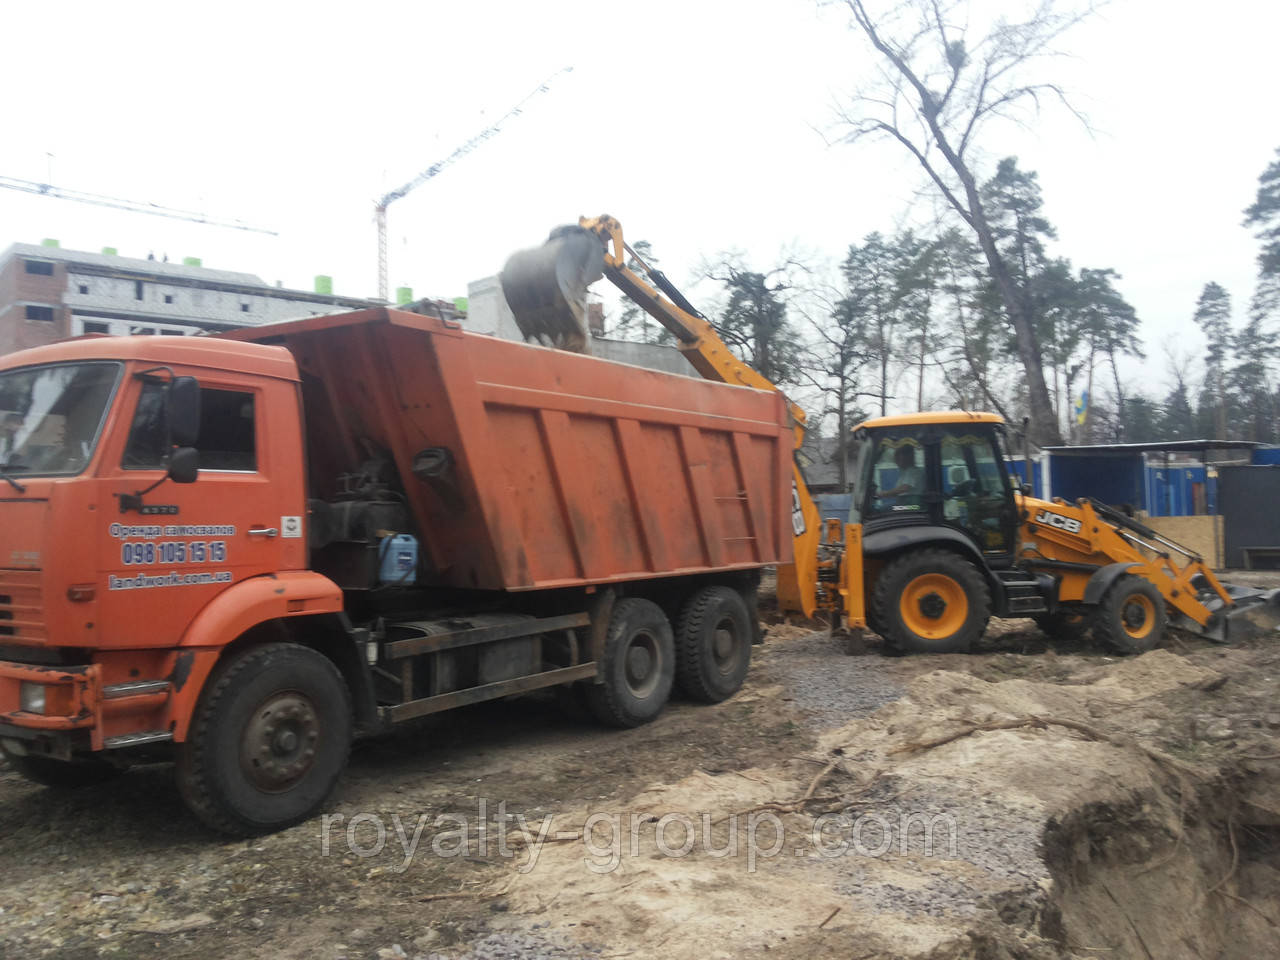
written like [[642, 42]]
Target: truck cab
[[113, 562]]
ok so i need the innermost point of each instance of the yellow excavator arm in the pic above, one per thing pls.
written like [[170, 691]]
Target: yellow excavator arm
[[545, 289]]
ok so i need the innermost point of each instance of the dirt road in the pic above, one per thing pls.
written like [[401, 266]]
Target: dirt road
[[1102, 807]]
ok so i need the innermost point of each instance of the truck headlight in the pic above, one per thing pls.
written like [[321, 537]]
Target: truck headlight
[[31, 697]]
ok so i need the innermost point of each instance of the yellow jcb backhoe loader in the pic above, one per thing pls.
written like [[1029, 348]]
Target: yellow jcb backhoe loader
[[940, 536]]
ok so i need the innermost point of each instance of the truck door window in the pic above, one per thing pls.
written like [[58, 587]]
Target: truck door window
[[227, 438], [973, 489]]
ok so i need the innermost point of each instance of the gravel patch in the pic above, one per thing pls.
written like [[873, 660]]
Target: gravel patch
[[522, 946], [1000, 841], [830, 687]]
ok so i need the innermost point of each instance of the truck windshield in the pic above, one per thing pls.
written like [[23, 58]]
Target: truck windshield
[[51, 416]]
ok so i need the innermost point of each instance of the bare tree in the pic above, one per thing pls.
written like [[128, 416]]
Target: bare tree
[[937, 92]]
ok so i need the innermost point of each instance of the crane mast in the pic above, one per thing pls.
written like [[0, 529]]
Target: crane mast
[[380, 208]]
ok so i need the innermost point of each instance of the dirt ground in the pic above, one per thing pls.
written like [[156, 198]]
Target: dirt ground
[[1082, 805]]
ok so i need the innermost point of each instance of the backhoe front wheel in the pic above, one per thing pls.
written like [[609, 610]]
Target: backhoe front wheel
[[1131, 617], [931, 601], [268, 742]]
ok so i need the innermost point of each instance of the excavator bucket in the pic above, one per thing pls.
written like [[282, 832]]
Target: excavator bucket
[[546, 287], [1252, 613]]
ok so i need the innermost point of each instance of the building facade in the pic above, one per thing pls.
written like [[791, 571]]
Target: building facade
[[48, 294]]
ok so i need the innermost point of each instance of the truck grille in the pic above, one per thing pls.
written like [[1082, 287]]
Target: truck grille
[[21, 610]]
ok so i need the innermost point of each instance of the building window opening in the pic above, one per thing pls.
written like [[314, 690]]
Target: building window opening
[[44, 314], [137, 289], [168, 298], [84, 288], [41, 268], [244, 308], [96, 326]]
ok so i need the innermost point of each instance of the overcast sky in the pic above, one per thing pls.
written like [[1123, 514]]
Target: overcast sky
[[696, 123]]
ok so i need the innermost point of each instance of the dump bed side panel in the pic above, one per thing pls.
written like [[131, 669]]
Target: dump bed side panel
[[566, 469]]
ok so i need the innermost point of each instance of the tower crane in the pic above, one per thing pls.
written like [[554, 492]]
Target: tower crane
[[116, 203], [380, 208]]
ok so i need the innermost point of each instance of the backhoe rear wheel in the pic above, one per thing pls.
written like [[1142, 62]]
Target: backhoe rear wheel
[[931, 601], [1131, 617]]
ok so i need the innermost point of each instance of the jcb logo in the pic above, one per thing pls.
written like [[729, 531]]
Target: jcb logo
[[1059, 521], [797, 511]]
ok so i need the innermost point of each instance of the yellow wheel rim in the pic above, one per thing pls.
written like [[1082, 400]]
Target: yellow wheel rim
[[934, 606], [1138, 616]]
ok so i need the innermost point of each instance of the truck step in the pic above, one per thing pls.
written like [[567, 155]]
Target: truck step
[[134, 688], [136, 739]]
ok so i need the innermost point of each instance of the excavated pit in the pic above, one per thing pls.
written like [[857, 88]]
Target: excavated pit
[[1128, 808]]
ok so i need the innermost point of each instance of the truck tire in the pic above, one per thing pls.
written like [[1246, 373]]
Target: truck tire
[[268, 741], [1131, 617], [713, 644], [62, 774], [931, 601], [1064, 626], [638, 666]]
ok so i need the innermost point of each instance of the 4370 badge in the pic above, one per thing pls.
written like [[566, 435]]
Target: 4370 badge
[[174, 551]]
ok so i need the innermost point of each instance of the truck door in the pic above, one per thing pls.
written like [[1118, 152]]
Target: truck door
[[159, 565], [976, 496]]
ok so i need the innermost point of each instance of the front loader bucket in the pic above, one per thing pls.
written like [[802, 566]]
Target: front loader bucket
[[1252, 613], [546, 287]]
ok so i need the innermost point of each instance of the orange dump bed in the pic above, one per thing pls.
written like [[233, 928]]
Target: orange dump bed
[[562, 469]]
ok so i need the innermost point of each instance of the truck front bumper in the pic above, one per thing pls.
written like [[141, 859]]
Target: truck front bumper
[[72, 699]]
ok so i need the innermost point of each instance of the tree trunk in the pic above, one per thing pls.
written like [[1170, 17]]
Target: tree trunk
[[1044, 428]]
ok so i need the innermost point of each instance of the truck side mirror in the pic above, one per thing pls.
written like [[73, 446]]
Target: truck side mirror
[[182, 412], [184, 464]]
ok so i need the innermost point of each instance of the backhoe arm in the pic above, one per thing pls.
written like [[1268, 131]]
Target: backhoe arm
[[698, 339]]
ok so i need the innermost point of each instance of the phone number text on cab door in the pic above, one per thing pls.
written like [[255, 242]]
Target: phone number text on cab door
[[178, 551]]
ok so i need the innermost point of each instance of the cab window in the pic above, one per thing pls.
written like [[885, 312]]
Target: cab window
[[896, 476], [227, 439]]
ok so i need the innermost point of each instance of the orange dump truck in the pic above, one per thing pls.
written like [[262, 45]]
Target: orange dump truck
[[241, 552]]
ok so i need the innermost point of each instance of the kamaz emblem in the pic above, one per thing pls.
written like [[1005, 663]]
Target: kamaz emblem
[[1059, 521]]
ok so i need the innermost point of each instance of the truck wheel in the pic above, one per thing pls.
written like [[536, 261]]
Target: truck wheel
[[1131, 617], [61, 774], [638, 665], [931, 601], [268, 742], [713, 644], [1064, 626]]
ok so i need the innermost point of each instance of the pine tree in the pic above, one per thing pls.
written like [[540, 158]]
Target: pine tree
[[754, 322], [1264, 216], [1213, 317]]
